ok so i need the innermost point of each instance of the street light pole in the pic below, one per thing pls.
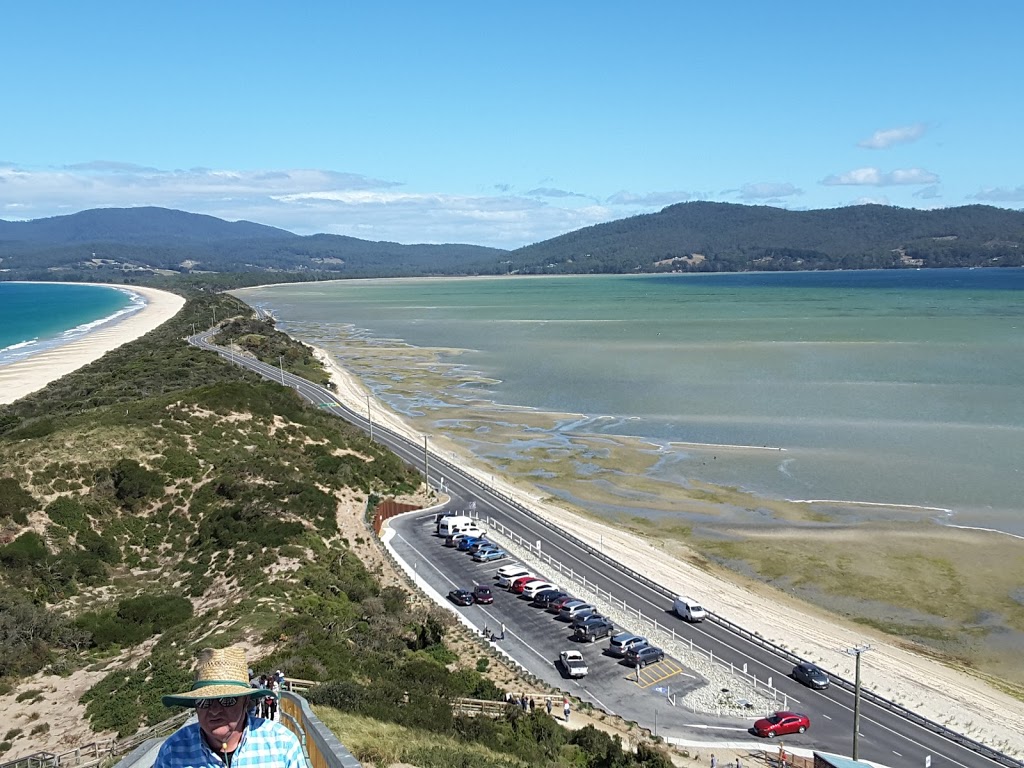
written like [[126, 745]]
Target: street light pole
[[426, 462], [856, 652], [280, 360]]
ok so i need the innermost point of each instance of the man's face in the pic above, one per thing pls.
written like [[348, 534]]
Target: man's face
[[222, 724]]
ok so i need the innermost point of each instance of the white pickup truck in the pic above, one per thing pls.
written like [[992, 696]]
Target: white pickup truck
[[573, 663]]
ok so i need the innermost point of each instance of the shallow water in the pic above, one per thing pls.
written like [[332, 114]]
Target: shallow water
[[899, 387]]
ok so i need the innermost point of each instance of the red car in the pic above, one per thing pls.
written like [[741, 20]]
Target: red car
[[519, 584], [482, 594], [782, 723]]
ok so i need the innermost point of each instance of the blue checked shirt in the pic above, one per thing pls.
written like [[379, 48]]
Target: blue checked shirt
[[265, 744]]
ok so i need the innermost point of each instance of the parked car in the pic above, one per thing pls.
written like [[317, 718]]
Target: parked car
[[534, 587], [461, 596], [642, 655], [454, 539], [556, 605], [546, 597], [487, 555], [782, 723], [575, 608], [481, 544], [519, 584], [482, 594], [509, 573], [466, 542], [623, 643], [573, 664], [593, 628], [810, 675]]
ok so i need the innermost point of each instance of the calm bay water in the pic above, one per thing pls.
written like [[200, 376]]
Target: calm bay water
[[38, 316], [896, 387]]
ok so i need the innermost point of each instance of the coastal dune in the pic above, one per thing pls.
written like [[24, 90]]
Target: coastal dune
[[26, 376]]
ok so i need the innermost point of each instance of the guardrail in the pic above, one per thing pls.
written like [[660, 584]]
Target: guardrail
[[898, 709]]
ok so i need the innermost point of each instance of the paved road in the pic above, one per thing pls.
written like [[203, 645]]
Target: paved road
[[885, 737]]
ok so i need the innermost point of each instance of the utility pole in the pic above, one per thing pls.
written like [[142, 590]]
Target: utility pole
[[369, 416], [856, 651], [280, 360]]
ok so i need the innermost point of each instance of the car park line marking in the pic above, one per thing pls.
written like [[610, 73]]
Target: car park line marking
[[669, 668]]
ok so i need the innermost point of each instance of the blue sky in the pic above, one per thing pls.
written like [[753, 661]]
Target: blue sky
[[505, 123]]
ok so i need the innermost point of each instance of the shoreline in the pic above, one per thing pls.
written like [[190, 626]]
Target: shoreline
[[962, 701], [32, 373]]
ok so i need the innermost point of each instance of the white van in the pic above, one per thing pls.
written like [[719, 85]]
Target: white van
[[509, 573], [688, 609], [446, 526]]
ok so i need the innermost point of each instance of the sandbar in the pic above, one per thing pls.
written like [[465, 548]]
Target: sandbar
[[23, 377]]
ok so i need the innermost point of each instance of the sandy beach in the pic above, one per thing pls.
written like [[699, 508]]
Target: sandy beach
[[23, 377], [948, 696]]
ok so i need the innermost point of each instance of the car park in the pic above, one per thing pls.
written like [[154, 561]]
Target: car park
[[461, 596], [593, 628], [482, 594], [810, 675], [575, 608], [519, 584], [546, 597], [781, 723], [642, 655], [623, 643], [488, 555], [534, 587], [509, 573]]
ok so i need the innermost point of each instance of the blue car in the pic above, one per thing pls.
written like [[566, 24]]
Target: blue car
[[487, 555], [467, 541], [482, 544]]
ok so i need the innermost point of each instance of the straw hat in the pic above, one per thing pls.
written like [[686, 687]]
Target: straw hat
[[220, 672]]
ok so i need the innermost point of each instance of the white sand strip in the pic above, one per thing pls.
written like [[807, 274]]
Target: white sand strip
[[31, 374]]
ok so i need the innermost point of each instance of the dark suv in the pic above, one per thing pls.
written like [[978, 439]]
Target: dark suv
[[592, 628], [643, 655], [810, 675]]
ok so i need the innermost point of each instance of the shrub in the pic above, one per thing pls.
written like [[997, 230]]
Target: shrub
[[39, 729], [15, 501], [133, 483]]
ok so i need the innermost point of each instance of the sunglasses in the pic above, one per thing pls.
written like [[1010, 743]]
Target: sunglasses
[[226, 702]]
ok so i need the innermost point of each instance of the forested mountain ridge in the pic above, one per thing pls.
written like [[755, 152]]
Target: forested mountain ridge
[[717, 237], [121, 244]]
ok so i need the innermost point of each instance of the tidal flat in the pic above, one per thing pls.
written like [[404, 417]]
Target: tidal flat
[[956, 594]]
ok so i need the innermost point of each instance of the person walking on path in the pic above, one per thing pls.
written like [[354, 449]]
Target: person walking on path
[[549, 706], [226, 732], [533, 705], [565, 709], [714, 762]]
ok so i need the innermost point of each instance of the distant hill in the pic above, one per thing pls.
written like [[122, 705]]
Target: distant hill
[[131, 243], [715, 237], [154, 226], [114, 244]]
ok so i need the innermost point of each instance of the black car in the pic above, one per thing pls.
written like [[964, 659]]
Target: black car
[[593, 628], [461, 596], [546, 597], [810, 675], [643, 655]]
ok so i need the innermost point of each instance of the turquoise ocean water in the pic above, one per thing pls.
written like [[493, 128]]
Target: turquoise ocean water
[[39, 316], [894, 387]]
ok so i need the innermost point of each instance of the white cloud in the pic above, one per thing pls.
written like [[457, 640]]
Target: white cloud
[[767, 191], [892, 136], [876, 178], [1000, 194], [928, 193], [871, 200]]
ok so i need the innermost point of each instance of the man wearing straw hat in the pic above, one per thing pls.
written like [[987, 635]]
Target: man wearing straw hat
[[227, 735]]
